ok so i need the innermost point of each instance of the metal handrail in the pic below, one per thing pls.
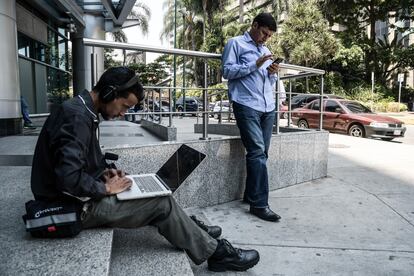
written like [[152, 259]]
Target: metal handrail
[[303, 72], [147, 48]]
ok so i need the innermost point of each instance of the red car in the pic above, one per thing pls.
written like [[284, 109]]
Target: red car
[[350, 117]]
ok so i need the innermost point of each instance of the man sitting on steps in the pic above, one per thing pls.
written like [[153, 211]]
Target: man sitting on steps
[[68, 163]]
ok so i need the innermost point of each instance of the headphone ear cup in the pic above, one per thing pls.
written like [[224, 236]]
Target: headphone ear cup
[[108, 94]]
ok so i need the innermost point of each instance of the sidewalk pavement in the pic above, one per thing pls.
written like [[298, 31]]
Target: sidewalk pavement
[[357, 221]]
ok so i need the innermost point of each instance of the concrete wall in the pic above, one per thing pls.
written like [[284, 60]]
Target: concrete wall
[[165, 133], [294, 157]]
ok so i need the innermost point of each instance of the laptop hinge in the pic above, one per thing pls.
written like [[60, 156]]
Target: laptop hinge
[[162, 182]]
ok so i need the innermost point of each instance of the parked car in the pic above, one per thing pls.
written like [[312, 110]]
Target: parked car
[[350, 117], [301, 100], [191, 104], [283, 111], [155, 107], [222, 106]]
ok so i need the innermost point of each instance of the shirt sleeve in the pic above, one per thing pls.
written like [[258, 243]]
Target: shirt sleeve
[[231, 67], [72, 146]]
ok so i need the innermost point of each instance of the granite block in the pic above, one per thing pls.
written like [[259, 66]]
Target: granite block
[[165, 133], [288, 159], [221, 176], [320, 165], [274, 162], [145, 252], [221, 129], [86, 254], [144, 159], [230, 162], [305, 157]]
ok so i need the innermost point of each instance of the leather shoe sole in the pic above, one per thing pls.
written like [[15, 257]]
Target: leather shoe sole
[[265, 214]]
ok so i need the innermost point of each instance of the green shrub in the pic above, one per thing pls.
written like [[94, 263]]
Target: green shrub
[[385, 106]]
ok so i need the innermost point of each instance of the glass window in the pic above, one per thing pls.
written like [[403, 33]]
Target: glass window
[[356, 107], [62, 52], [331, 106], [315, 105], [23, 45]]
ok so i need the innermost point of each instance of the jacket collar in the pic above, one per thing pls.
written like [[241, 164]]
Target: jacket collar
[[86, 100]]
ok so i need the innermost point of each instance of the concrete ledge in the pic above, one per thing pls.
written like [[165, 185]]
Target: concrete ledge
[[145, 252], [294, 157], [163, 132], [220, 129], [87, 254], [233, 130]]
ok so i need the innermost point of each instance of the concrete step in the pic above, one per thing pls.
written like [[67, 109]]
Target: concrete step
[[145, 252], [86, 254]]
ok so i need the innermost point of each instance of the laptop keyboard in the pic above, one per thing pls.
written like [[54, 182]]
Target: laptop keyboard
[[147, 184]]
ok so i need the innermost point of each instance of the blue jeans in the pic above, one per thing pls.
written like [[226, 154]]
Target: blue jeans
[[25, 110], [255, 132]]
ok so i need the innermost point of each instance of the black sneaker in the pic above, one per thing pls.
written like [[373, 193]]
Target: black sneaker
[[226, 257], [29, 126], [213, 231]]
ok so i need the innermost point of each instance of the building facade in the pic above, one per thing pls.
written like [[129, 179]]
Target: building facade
[[42, 54]]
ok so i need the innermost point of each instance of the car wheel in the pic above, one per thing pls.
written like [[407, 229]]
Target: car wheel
[[302, 123], [356, 131], [387, 139]]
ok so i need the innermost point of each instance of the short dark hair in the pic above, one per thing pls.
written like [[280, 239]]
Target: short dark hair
[[118, 76], [265, 19]]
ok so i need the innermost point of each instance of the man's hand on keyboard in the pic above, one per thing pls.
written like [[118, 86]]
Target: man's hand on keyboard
[[116, 184]]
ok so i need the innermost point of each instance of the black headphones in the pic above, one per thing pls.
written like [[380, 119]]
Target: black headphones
[[110, 92]]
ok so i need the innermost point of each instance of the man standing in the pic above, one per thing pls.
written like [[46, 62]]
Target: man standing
[[68, 165], [247, 64]]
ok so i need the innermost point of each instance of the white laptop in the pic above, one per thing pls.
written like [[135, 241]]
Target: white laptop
[[171, 175]]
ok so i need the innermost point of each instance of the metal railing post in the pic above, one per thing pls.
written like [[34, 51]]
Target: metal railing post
[[277, 121], [93, 67], [160, 107], [205, 115], [290, 104], [321, 107], [170, 115]]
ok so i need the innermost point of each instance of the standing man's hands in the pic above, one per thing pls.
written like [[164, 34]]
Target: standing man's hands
[[262, 59], [273, 68], [115, 181]]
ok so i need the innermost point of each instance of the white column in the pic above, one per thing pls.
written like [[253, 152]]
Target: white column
[[94, 28], [9, 69]]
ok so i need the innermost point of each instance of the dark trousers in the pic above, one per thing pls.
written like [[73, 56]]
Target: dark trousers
[[255, 132], [163, 212]]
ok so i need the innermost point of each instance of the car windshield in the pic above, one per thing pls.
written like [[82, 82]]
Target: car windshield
[[356, 107]]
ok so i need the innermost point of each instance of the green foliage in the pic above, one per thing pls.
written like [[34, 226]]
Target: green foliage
[[381, 55], [305, 38], [151, 73], [109, 60], [220, 94], [333, 84]]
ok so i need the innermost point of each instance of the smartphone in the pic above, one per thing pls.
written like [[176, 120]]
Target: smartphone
[[277, 61]]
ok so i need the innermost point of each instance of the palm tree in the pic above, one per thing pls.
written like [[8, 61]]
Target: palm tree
[[141, 14]]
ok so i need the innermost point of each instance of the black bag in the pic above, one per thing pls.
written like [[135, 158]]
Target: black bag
[[53, 219]]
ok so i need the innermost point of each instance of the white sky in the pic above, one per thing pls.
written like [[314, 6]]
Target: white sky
[[155, 25]]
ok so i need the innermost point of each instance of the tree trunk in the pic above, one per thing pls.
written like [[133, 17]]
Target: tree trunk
[[241, 11]]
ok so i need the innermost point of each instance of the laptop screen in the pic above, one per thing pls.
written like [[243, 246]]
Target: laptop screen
[[180, 165]]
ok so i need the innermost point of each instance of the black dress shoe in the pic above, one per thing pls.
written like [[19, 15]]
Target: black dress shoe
[[265, 213], [213, 231], [226, 257]]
